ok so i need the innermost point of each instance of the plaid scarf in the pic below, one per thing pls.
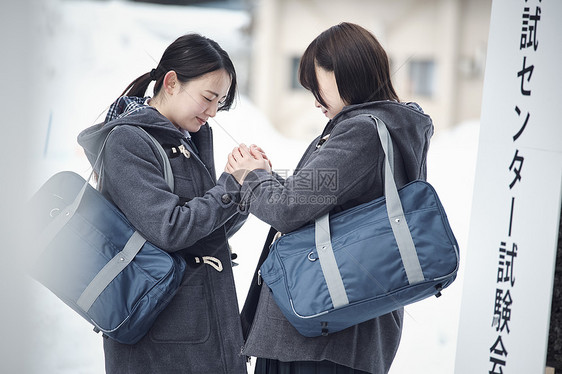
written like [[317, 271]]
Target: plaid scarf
[[124, 106]]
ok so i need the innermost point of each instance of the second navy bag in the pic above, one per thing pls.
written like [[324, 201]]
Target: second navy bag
[[366, 261]]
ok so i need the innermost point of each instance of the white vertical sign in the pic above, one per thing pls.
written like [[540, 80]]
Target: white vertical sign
[[510, 261]]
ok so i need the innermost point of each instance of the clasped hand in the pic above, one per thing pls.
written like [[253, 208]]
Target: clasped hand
[[244, 159]]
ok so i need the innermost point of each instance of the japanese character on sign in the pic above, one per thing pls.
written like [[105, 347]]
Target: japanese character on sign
[[529, 28], [505, 268], [502, 310], [516, 136], [517, 170], [522, 73], [498, 349]]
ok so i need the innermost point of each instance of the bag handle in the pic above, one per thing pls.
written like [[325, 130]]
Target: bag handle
[[65, 215], [395, 212], [397, 221]]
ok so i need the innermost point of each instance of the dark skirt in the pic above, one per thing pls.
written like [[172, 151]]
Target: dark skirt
[[267, 366]]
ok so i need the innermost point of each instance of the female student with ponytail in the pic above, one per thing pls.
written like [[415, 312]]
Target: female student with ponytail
[[199, 331]]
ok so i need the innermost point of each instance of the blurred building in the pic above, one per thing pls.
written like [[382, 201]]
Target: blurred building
[[234, 4], [437, 50]]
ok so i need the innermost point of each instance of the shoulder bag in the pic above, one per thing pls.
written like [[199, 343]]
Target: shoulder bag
[[366, 261], [94, 260]]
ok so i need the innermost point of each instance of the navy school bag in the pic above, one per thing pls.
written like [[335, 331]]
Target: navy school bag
[[366, 261], [96, 262]]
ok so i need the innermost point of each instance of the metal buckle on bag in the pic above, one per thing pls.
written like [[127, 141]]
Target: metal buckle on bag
[[311, 257]]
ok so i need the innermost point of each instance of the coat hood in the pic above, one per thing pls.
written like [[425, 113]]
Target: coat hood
[[405, 120], [409, 127], [125, 111]]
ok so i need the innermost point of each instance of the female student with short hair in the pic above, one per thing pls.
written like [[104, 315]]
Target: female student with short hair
[[347, 71]]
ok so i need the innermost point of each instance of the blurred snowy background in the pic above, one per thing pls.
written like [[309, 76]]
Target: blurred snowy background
[[91, 51]]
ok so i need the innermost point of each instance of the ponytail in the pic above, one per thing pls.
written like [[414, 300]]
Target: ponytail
[[190, 56], [139, 86]]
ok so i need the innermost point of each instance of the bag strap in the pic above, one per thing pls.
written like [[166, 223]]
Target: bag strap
[[168, 175], [395, 212], [397, 221], [328, 262], [110, 270], [122, 259]]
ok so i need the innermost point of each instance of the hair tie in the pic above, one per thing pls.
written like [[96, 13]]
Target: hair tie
[[153, 74]]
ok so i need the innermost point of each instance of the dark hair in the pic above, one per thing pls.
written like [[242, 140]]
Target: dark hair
[[357, 59], [190, 56]]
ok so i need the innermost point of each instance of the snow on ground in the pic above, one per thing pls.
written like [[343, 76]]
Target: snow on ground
[[94, 51]]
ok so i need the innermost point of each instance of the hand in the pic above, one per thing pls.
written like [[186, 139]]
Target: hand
[[241, 161], [254, 148]]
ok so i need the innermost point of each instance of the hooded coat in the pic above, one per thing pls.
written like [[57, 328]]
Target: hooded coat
[[199, 331], [341, 168]]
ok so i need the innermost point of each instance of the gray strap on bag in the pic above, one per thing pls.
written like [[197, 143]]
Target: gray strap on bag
[[395, 212], [132, 247], [168, 176], [328, 262], [110, 271], [397, 220]]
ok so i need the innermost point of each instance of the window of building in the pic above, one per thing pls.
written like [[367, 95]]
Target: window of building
[[422, 77], [295, 62]]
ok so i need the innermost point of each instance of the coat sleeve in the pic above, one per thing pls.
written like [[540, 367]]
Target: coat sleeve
[[134, 181], [234, 224], [339, 171]]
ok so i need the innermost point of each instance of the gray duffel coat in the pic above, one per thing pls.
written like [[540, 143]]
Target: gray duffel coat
[[199, 331], [341, 168]]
